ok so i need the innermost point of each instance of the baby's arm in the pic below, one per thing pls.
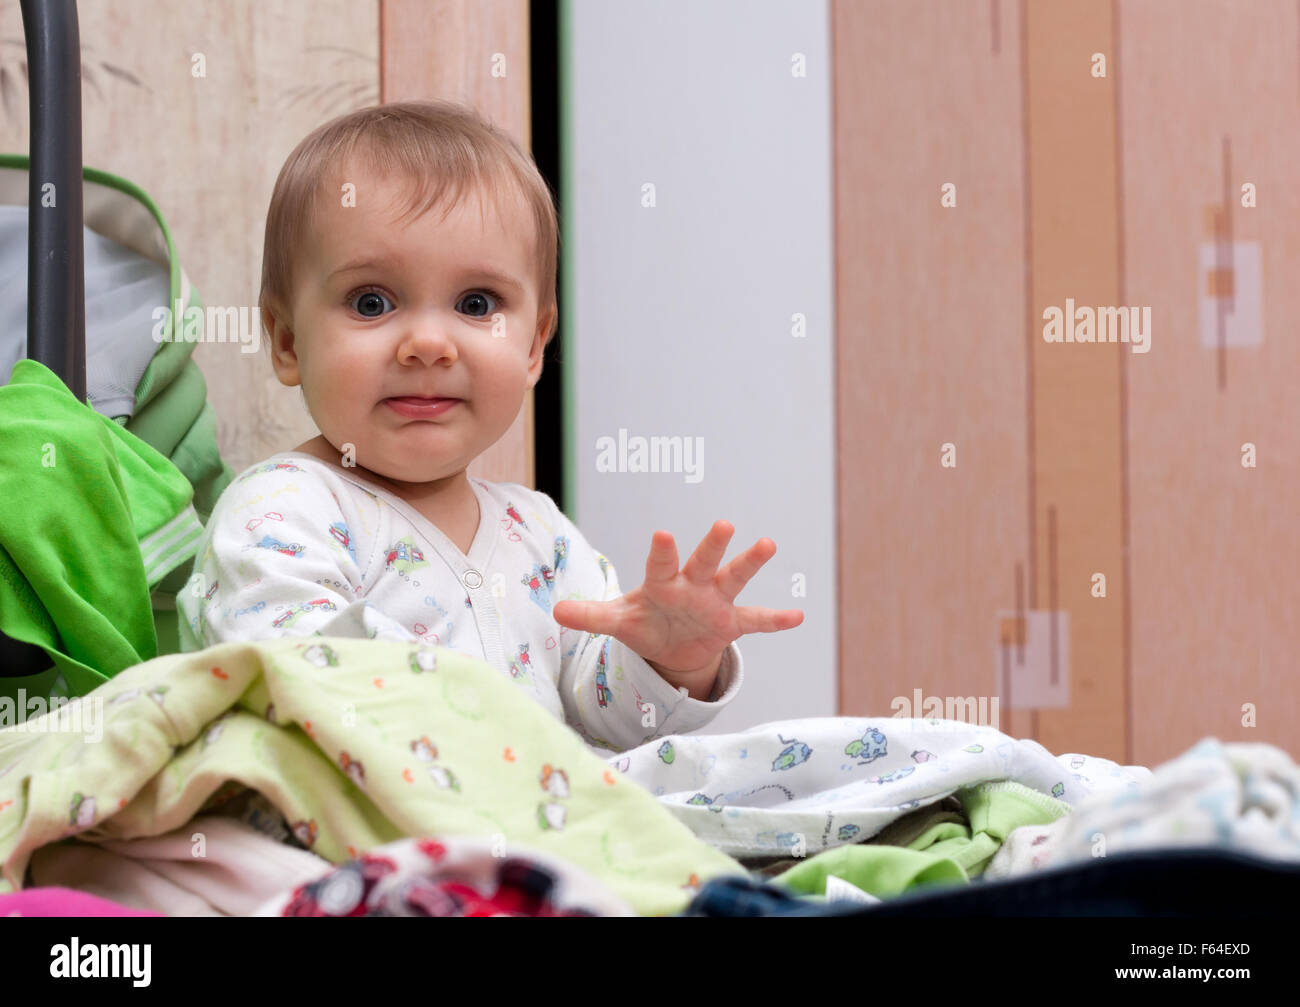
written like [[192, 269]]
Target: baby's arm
[[277, 559], [610, 694]]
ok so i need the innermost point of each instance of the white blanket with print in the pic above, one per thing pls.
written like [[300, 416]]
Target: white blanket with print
[[797, 787]]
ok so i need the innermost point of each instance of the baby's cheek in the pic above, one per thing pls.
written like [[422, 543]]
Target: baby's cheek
[[506, 376]]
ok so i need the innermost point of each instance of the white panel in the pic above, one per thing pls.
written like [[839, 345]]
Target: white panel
[[682, 314]]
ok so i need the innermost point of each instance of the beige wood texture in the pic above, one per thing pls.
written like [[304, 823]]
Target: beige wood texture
[[930, 320], [1076, 410], [1216, 547], [207, 149], [1106, 191], [476, 52]]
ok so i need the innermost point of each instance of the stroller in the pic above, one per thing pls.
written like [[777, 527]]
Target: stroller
[[82, 597]]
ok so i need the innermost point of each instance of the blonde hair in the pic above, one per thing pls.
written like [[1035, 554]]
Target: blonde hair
[[445, 149]]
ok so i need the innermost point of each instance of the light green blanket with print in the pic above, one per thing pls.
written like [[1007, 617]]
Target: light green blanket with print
[[357, 743]]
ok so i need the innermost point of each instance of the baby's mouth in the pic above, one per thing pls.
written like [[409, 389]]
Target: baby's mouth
[[418, 407]]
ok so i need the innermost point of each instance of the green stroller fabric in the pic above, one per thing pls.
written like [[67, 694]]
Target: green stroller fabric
[[94, 517], [171, 412], [171, 409]]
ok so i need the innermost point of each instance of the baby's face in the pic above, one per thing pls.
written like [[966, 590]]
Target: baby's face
[[389, 314]]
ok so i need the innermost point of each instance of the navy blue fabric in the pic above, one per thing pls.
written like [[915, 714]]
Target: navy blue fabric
[[1168, 882], [735, 896]]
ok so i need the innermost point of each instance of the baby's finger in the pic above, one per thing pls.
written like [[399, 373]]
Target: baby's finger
[[661, 564], [597, 617], [703, 564], [740, 571], [767, 620]]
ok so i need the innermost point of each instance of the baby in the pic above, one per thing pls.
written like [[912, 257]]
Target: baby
[[408, 286]]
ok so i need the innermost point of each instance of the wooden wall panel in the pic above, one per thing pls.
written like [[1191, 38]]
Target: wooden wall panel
[[930, 320], [1114, 191], [1077, 520], [1211, 101]]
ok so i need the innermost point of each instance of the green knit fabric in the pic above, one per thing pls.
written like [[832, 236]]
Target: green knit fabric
[[938, 848], [93, 517], [171, 410], [179, 422]]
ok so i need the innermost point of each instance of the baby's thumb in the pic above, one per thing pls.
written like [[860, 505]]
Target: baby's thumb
[[568, 613], [583, 615]]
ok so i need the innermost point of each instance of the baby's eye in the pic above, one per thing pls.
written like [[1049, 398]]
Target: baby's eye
[[369, 303], [479, 298]]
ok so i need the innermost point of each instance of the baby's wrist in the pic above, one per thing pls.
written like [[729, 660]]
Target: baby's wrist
[[700, 683]]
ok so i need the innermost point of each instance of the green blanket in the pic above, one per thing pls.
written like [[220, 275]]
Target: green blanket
[[357, 742], [930, 846]]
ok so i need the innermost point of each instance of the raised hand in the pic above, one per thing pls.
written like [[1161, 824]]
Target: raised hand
[[682, 621]]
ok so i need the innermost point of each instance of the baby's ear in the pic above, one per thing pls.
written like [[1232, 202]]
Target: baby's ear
[[541, 338], [280, 337]]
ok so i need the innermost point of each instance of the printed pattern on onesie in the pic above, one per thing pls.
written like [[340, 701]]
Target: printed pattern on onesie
[[297, 547]]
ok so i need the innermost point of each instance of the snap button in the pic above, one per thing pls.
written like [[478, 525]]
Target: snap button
[[473, 579]]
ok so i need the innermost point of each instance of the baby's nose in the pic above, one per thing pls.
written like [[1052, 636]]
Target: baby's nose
[[428, 340]]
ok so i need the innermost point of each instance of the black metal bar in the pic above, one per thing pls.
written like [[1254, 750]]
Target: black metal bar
[[56, 278]]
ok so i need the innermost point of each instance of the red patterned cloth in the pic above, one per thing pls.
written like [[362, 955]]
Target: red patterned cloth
[[450, 877]]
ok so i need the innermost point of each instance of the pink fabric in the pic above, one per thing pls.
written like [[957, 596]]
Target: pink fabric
[[63, 902]]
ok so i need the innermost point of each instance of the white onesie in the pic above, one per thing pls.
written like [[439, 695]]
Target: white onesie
[[298, 547]]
